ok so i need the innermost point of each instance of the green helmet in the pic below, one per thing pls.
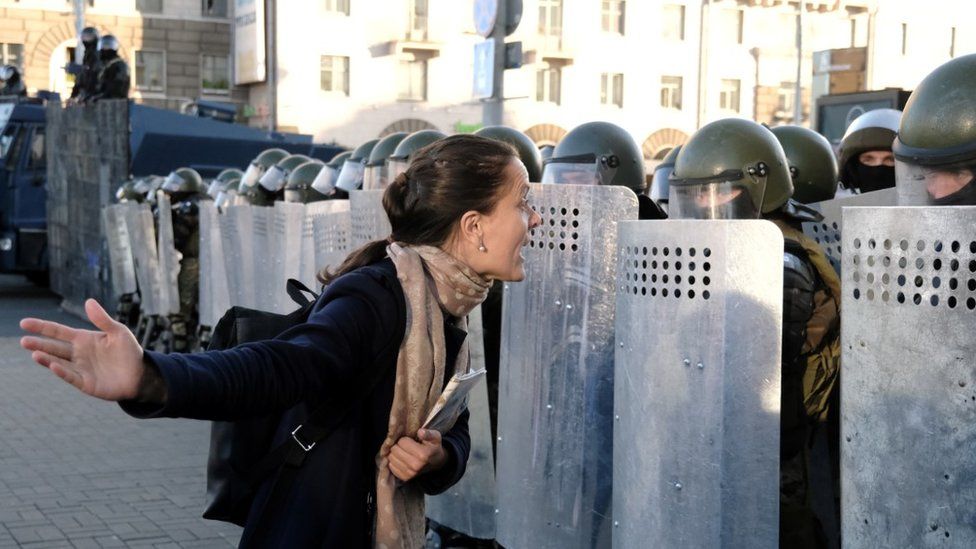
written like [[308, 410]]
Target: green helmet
[[660, 182], [729, 169], [398, 162], [351, 174], [299, 186], [182, 183], [226, 179], [872, 131], [325, 181], [338, 160], [545, 152], [524, 146], [597, 153], [127, 193], [813, 167], [935, 151], [375, 175], [260, 164], [274, 178]]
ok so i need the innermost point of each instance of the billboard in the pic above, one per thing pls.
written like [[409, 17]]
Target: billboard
[[249, 42]]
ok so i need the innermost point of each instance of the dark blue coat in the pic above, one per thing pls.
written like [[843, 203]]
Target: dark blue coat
[[359, 322]]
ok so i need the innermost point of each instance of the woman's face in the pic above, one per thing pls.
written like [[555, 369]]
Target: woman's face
[[506, 229]]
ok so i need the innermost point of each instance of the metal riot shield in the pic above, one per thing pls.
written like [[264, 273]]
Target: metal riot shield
[[469, 506], [325, 209], [697, 384], [142, 241], [908, 380], [555, 410], [333, 240], [286, 252], [828, 232], [122, 267], [265, 284], [214, 292], [236, 230], [368, 218], [169, 258]]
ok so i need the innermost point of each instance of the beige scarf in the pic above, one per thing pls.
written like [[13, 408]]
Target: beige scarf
[[432, 280]]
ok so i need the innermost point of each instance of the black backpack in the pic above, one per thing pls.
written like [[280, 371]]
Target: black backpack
[[241, 454]]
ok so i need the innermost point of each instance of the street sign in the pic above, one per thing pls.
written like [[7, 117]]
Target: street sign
[[485, 15], [484, 69]]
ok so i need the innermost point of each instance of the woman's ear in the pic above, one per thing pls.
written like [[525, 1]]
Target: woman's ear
[[471, 229]]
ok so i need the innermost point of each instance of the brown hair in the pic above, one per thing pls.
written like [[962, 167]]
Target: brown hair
[[445, 179]]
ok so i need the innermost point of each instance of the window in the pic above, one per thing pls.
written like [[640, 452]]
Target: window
[[413, 80], [673, 22], [729, 26], [418, 20], [671, 92], [12, 54], [904, 38], [11, 143], [335, 74], [37, 159], [952, 42], [337, 6], [612, 89], [215, 8], [150, 70], [214, 73], [149, 6], [547, 85], [613, 16], [786, 98], [728, 97], [551, 17]]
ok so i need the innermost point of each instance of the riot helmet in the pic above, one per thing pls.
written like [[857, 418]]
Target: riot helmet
[[526, 148], [225, 179], [596, 153], [127, 193], [398, 162], [658, 191], [325, 181], [351, 174], [813, 167], [274, 178], [89, 37], [108, 47], [729, 169], [182, 183], [866, 163], [545, 152], [299, 186], [935, 151], [9, 72], [260, 164], [375, 177]]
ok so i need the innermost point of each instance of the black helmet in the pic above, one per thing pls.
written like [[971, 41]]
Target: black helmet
[[527, 151], [597, 153], [108, 43], [299, 186], [89, 37], [351, 174], [400, 159], [9, 72], [660, 183], [375, 176]]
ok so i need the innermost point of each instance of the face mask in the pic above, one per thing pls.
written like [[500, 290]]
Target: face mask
[[965, 196], [107, 55], [874, 178]]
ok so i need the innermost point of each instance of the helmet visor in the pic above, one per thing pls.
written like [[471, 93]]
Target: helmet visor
[[660, 184], [224, 198], [711, 200], [214, 188], [274, 179], [173, 183], [351, 176], [950, 185], [325, 181], [374, 178], [396, 167], [571, 174], [251, 175]]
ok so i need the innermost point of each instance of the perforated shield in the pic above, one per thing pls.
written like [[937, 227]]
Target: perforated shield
[[142, 236], [697, 385], [286, 251], [368, 218], [908, 380], [236, 228], [828, 232], [214, 292], [333, 239], [121, 264], [469, 506], [326, 210], [169, 258], [555, 411], [265, 283]]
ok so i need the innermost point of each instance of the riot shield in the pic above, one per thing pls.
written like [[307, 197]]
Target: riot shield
[[555, 410], [236, 235], [828, 232], [214, 293], [142, 241], [286, 252], [469, 506], [121, 265], [697, 384], [332, 236], [328, 210], [169, 258], [908, 381], [368, 218], [265, 285]]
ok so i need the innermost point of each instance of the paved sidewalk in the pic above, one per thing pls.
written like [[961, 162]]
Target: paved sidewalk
[[76, 472]]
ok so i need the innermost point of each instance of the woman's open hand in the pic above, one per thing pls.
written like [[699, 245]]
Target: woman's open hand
[[104, 363], [409, 457]]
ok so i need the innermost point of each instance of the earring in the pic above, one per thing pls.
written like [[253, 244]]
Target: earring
[[481, 247]]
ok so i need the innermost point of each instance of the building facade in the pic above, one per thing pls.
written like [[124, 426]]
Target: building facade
[[178, 50]]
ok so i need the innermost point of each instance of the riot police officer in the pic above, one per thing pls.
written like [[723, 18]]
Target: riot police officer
[[270, 187], [375, 176], [747, 177], [524, 146], [225, 180], [659, 188], [601, 153], [299, 188], [255, 170], [127, 193], [866, 160], [545, 152], [354, 168], [398, 162], [813, 167], [185, 189], [86, 82], [935, 150], [13, 84], [113, 78], [325, 181]]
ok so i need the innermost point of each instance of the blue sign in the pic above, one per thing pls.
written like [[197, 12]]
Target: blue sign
[[484, 69], [485, 15]]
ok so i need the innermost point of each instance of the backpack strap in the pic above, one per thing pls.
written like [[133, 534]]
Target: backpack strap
[[297, 290]]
